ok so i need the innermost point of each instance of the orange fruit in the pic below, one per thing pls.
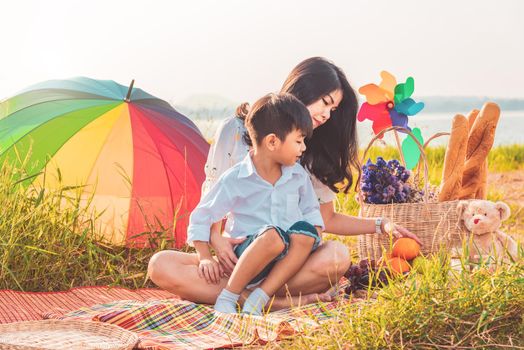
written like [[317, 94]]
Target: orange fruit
[[405, 248], [398, 265]]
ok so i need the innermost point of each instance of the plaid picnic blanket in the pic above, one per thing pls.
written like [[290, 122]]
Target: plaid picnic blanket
[[177, 324], [29, 306]]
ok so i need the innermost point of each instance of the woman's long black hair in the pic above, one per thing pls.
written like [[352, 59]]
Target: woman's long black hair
[[332, 152]]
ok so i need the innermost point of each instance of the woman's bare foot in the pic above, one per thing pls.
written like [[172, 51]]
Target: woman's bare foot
[[279, 303]]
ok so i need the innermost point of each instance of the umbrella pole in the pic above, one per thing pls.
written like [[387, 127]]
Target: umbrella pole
[[128, 97]]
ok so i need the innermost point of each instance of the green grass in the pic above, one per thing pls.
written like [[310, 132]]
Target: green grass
[[433, 307], [48, 247]]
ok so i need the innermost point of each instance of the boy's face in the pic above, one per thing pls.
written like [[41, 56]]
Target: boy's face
[[290, 150]]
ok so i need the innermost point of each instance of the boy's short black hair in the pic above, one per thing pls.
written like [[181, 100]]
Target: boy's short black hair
[[277, 114]]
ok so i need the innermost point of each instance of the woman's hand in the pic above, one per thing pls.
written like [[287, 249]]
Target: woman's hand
[[223, 247], [211, 270], [397, 231]]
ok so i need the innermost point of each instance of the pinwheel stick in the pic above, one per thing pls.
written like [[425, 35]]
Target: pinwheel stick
[[399, 148]]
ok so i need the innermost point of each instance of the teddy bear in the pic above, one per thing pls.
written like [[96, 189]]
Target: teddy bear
[[482, 220]]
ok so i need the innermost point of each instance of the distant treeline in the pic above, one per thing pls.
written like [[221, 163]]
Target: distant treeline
[[433, 104], [437, 104], [206, 113]]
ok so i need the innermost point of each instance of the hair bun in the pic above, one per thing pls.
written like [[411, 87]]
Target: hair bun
[[242, 110]]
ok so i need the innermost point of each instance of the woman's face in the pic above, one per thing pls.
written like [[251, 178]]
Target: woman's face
[[321, 109]]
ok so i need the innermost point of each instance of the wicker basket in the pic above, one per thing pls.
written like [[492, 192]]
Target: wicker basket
[[58, 334], [437, 225]]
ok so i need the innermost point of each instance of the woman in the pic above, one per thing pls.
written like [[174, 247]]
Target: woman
[[331, 157]]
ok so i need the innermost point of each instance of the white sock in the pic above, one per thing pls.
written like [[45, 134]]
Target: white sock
[[255, 302], [227, 302]]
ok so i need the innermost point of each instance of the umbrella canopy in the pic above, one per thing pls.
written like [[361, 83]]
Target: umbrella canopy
[[142, 162]]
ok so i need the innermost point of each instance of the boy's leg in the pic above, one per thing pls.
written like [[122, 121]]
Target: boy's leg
[[267, 246], [303, 239], [261, 250]]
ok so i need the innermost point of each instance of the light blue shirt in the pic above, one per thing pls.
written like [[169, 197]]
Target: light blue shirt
[[252, 202]]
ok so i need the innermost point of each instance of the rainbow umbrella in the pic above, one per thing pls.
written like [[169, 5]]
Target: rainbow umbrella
[[139, 161]]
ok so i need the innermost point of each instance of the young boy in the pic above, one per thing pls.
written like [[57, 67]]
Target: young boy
[[270, 198]]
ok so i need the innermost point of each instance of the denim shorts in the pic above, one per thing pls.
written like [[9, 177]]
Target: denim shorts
[[298, 228]]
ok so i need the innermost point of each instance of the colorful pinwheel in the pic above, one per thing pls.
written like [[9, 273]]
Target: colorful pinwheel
[[389, 104]]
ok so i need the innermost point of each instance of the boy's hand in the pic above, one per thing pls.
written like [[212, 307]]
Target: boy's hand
[[223, 247], [211, 270], [208, 267]]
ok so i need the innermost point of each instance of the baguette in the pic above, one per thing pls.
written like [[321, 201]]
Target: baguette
[[454, 159], [472, 116], [480, 141], [482, 188], [486, 120]]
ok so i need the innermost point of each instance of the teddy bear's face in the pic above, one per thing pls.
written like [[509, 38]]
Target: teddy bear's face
[[483, 216]]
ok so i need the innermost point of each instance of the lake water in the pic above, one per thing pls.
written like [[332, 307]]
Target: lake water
[[510, 129]]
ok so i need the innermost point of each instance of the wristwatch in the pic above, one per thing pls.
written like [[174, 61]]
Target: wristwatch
[[378, 226]]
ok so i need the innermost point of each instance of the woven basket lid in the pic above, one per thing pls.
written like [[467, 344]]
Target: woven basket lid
[[61, 334]]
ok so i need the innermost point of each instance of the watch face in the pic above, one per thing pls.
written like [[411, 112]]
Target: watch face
[[378, 226]]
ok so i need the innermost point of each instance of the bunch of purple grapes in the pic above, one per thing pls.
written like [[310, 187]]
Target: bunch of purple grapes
[[385, 182], [363, 275]]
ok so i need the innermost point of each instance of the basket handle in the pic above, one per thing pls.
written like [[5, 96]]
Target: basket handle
[[437, 135], [422, 153], [426, 143]]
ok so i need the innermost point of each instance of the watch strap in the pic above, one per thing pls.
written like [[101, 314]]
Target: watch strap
[[378, 226]]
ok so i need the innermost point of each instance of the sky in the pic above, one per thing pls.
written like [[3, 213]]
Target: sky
[[243, 49]]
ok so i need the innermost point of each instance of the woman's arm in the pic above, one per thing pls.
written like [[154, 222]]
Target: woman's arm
[[346, 225]]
